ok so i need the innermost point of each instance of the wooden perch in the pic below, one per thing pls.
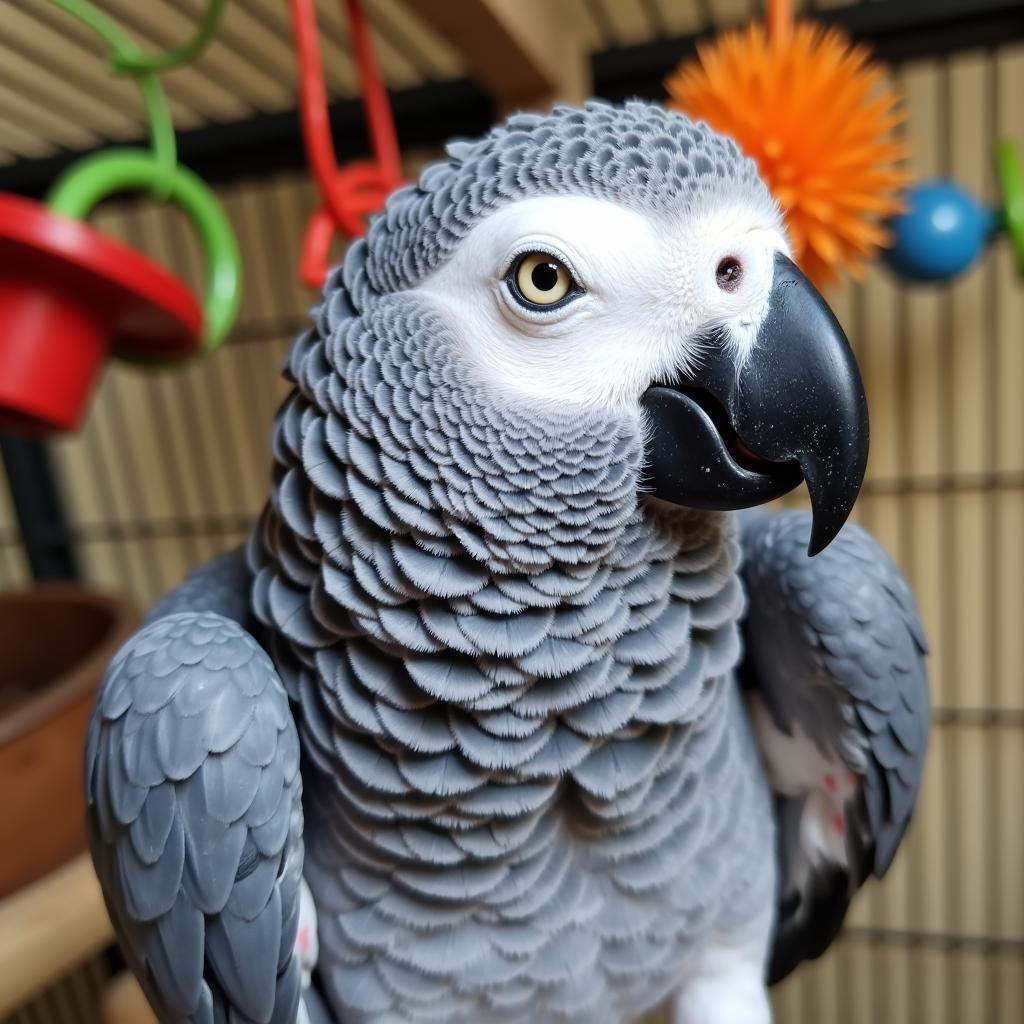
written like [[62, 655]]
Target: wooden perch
[[526, 54], [47, 929]]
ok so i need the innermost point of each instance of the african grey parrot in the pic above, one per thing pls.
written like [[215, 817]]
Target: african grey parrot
[[471, 713]]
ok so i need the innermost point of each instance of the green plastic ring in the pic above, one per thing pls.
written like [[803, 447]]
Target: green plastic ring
[[96, 177], [1011, 181]]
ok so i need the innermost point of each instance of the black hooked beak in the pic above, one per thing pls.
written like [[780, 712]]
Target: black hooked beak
[[733, 437]]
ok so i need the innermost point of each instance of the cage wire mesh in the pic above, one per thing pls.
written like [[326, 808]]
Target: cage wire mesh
[[172, 467]]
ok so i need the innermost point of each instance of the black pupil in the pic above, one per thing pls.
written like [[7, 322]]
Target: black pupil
[[544, 276], [729, 273]]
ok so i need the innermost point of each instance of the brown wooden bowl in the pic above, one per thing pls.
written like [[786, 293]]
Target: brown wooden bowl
[[55, 643]]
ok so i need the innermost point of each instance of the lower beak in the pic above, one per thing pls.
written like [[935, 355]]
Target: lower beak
[[732, 436]]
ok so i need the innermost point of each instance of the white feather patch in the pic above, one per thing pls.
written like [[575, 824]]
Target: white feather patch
[[797, 768], [649, 296]]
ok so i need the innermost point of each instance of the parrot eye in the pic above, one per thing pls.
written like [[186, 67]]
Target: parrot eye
[[538, 279], [729, 273]]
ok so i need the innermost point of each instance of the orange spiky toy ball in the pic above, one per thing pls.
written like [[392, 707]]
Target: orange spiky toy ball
[[813, 111]]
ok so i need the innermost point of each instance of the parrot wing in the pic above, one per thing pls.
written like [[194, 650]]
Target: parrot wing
[[195, 821], [838, 694]]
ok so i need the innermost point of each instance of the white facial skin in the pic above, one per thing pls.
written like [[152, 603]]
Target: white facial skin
[[648, 290]]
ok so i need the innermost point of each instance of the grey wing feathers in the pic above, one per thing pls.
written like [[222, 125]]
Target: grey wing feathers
[[221, 585], [835, 649], [195, 822]]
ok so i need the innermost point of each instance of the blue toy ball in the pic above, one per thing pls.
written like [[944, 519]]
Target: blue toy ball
[[942, 233]]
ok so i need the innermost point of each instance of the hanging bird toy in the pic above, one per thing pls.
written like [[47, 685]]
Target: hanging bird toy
[[69, 295], [945, 230], [351, 193], [815, 113]]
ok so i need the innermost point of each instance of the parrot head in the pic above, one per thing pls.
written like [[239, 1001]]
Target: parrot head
[[626, 262]]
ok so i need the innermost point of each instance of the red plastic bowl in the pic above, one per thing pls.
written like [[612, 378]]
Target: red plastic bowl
[[69, 298]]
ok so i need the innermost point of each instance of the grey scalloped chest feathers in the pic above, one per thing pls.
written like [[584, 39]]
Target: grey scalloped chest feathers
[[536, 788]]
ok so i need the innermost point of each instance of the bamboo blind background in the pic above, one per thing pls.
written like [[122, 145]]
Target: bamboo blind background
[[249, 65], [172, 467], [75, 999]]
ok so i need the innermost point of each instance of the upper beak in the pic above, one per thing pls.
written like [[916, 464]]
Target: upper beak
[[795, 407]]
